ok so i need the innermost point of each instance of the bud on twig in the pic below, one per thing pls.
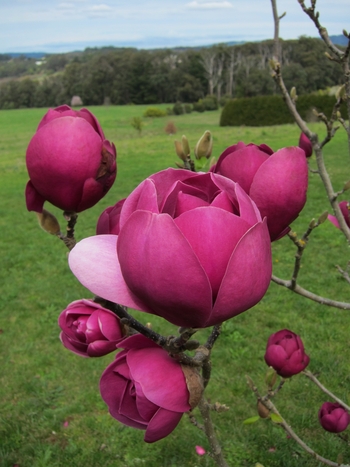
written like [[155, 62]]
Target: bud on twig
[[270, 377], [204, 146], [293, 94], [262, 410], [179, 150], [48, 222], [323, 217], [340, 94], [345, 32], [194, 385], [185, 146], [346, 186]]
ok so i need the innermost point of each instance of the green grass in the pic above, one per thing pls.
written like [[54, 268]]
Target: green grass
[[42, 385]]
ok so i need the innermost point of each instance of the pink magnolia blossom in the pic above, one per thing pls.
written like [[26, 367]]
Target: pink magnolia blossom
[[344, 208], [88, 329], [285, 353], [145, 388], [333, 417], [69, 161], [276, 182], [305, 144], [192, 248]]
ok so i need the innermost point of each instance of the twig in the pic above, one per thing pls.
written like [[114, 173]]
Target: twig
[[324, 389], [216, 451]]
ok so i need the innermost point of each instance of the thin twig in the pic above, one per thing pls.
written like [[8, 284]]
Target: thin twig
[[324, 389]]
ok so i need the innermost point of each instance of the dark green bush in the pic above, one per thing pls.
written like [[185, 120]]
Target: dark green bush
[[178, 109], [210, 103], [188, 108], [199, 106], [272, 110], [154, 112]]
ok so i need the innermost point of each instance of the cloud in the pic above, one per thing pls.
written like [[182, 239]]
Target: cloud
[[208, 5]]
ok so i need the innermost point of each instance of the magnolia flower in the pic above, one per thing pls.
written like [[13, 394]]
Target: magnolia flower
[[333, 417], [145, 388], [276, 182], [108, 222], [305, 144], [285, 353], [192, 248], [88, 329], [69, 161]]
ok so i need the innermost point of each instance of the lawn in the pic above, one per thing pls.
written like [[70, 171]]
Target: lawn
[[51, 413]]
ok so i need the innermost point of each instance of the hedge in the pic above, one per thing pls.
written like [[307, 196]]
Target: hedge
[[272, 110]]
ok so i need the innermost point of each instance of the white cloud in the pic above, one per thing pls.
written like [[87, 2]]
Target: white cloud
[[99, 8], [208, 5]]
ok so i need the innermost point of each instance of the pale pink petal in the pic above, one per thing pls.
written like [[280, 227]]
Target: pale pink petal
[[95, 264]]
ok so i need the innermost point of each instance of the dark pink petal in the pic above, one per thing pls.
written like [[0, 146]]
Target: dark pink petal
[[74, 346], [305, 144], [100, 348], [242, 164], [161, 425], [208, 226], [158, 275], [279, 188], [108, 222], [93, 331], [145, 407], [95, 264], [276, 357], [143, 197], [345, 211], [247, 276], [290, 344], [187, 202], [222, 201], [136, 341], [160, 377], [34, 200], [295, 364], [110, 325]]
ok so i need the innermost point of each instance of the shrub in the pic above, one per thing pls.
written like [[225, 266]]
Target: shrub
[[188, 108], [271, 110], [154, 112], [170, 128], [137, 123], [199, 106], [178, 109], [210, 102]]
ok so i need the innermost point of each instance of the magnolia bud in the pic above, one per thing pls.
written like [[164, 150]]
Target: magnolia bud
[[204, 146], [293, 93], [262, 410], [270, 377], [179, 150], [185, 146], [346, 186], [48, 222], [322, 218], [340, 94]]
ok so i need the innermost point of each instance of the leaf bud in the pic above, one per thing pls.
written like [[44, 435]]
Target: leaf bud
[[293, 93], [345, 32], [270, 377], [48, 222], [204, 146], [322, 218], [262, 410], [340, 94], [194, 384], [346, 186]]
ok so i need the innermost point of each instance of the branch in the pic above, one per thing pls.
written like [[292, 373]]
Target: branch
[[324, 389], [306, 293]]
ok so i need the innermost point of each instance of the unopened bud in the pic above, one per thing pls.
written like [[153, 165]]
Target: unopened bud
[[340, 94], [338, 115], [262, 410], [194, 384], [293, 93], [179, 151], [323, 217], [48, 222], [312, 224], [212, 162], [204, 146], [345, 32], [185, 146], [346, 186], [329, 56]]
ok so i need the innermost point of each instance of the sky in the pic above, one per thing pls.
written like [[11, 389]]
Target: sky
[[56, 26]]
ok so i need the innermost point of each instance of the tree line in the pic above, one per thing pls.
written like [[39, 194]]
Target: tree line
[[127, 75]]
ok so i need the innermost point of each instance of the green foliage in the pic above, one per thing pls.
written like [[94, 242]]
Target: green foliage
[[271, 110], [178, 109], [154, 112], [137, 123], [199, 106], [210, 102], [42, 385]]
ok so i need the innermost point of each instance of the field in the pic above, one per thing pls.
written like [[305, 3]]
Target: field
[[51, 413]]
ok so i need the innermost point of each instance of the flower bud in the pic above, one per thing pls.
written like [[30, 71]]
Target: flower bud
[[333, 417], [204, 146], [262, 410], [48, 222], [305, 144], [285, 353], [185, 145], [194, 385], [89, 330]]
